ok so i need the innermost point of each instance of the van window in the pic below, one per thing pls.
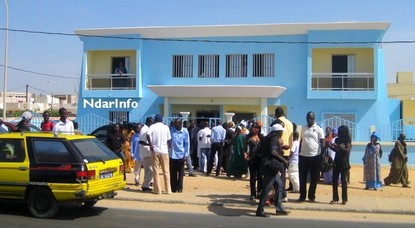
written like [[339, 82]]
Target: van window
[[11, 150], [51, 151]]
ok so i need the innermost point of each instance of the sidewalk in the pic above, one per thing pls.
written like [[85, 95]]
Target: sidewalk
[[228, 192]]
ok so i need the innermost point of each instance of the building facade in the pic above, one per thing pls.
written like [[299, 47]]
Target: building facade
[[333, 69]]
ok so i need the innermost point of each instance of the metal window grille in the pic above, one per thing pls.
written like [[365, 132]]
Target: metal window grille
[[208, 66], [263, 65], [236, 66], [119, 117], [182, 66]]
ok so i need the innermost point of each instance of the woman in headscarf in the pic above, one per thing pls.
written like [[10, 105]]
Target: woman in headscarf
[[399, 158], [371, 162]]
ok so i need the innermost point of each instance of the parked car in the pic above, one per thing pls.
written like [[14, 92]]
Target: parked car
[[12, 126], [102, 132], [44, 169]]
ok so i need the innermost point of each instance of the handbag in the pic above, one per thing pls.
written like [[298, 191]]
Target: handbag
[[326, 163], [272, 165]]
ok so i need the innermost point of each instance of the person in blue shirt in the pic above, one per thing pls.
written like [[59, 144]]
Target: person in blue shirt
[[217, 140], [178, 154]]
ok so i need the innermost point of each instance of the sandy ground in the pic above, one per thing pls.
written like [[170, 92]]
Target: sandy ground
[[228, 184]]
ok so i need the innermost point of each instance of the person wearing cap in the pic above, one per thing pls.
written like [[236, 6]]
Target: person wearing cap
[[311, 147], [272, 146], [158, 137], [23, 125], [371, 163]]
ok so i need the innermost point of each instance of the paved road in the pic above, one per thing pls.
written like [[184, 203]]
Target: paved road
[[158, 215]]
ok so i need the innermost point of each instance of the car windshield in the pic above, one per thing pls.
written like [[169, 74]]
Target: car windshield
[[94, 150]]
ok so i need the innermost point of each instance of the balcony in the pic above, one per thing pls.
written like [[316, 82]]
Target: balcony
[[342, 82], [110, 82]]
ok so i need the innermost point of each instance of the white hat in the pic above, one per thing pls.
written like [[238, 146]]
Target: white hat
[[27, 115], [277, 127]]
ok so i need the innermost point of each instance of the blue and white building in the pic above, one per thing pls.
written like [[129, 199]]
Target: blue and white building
[[333, 69]]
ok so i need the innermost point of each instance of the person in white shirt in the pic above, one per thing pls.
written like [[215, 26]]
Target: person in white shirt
[[159, 138], [203, 144], [64, 125], [293, 164], [311, 147]]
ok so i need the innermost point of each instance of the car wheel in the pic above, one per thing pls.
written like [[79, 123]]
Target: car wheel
[[89, 204], [42, 203]]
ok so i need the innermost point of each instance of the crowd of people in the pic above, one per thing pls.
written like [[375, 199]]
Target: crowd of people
[[283, 156]]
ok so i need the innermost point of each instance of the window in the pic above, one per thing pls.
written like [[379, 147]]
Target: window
[[208, 66], [119, 117], [93, 150], [182, 66], [11, 150], [236, 66], [52, 151], [263, 65]]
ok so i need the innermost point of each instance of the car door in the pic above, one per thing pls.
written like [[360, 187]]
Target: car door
[[14, 168]]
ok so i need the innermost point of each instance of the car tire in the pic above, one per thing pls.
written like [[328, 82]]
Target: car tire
[[89, 204], [42, 203]]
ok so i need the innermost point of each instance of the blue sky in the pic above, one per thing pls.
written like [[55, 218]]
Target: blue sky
[[61, 55]]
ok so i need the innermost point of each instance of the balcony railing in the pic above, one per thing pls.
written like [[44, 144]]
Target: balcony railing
[[111, 82], [342, 81]]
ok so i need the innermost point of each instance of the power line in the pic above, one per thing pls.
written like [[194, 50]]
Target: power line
[[37, 73], [213, 41]]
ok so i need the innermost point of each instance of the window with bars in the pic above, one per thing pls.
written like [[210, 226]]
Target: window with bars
[[208, 66], [236, 66], [263, 65], [182, 66], [119, 116]]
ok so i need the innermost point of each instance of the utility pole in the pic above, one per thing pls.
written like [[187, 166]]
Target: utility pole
[[5, 59]]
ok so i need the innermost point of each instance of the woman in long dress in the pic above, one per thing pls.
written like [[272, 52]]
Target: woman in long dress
[[399, 158], [237, 164], [371, 161]]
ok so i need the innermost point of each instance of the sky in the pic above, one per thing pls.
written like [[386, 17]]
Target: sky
[[51, 64]]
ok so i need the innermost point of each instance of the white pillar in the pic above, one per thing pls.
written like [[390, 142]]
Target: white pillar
[[185, 115], [264, 115], [166, 107], [229, 116]]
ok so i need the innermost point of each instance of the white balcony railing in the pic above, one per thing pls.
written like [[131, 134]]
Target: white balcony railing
[[342, 81], [110, 82]]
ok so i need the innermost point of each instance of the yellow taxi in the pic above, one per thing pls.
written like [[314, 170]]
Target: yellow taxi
[[45, 169]]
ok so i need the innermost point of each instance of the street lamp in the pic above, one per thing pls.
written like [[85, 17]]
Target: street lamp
[[5, 59]]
